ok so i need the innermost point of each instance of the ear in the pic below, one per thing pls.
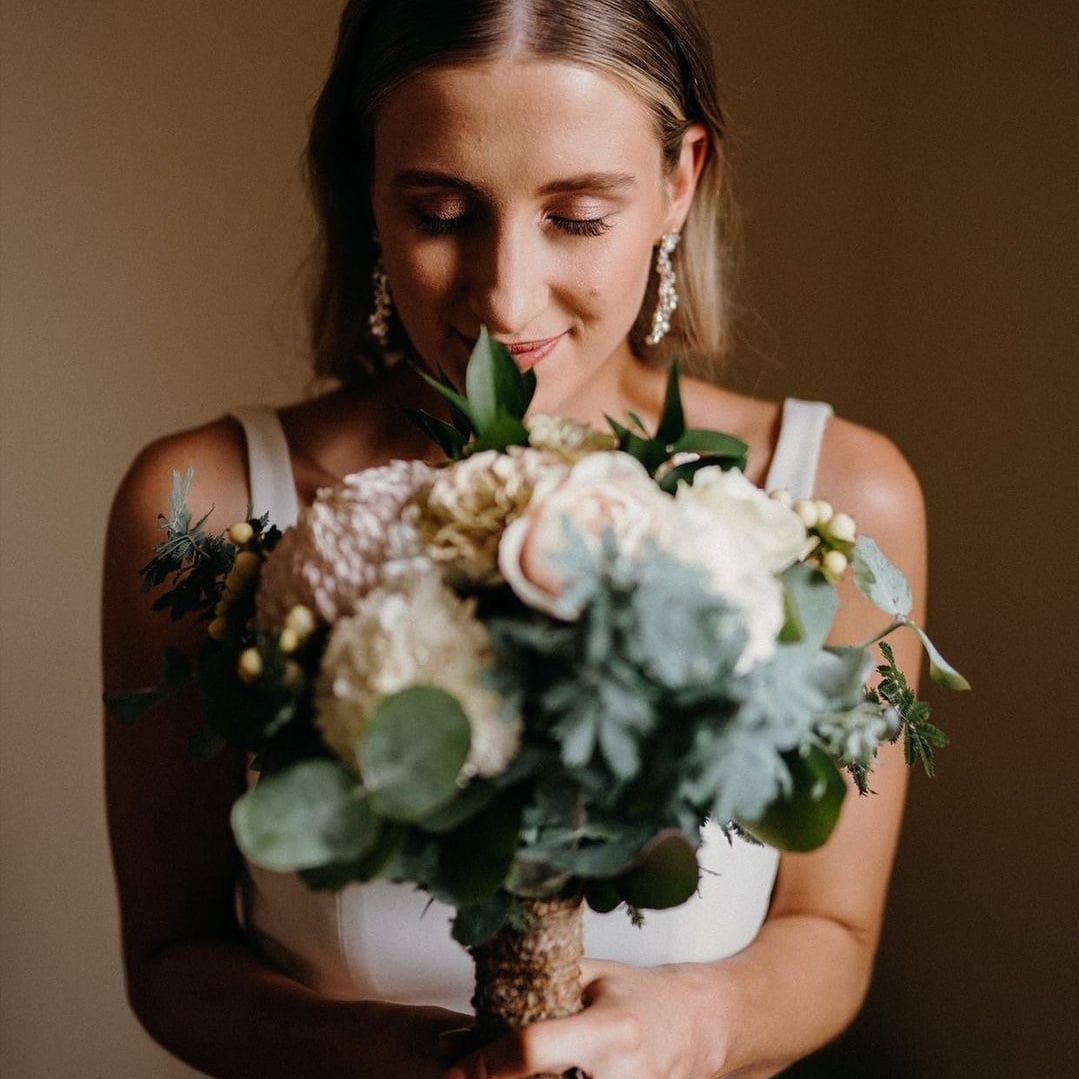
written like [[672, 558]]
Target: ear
[[682, 182]]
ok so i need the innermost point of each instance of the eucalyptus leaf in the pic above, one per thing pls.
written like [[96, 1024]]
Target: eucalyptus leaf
[[880, 580], [412, 751], [312, 814], [811, 603], [940, 670]]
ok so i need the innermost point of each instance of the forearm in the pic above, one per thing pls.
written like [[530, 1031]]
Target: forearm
[[215, 1005], [793, 990]]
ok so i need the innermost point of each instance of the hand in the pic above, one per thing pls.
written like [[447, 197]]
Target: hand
[[638, 1023]]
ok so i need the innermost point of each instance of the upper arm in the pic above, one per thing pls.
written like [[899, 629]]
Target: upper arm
[[167, 813], [864, 475]]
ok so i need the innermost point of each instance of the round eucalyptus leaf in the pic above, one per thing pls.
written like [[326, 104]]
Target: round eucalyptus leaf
[[665, 874], [412, 752], [312, 814], [803, 819]]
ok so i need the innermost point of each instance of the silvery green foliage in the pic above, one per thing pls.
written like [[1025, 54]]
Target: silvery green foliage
[[641, 692]]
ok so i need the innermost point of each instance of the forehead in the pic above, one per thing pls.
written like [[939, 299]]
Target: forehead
[[515, 118]]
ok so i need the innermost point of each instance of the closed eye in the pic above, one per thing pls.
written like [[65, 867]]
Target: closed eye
[[588, 226]]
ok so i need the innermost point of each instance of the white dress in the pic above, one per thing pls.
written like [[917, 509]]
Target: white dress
[[392, 942]]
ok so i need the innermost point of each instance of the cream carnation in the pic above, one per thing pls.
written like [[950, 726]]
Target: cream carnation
[[347, 542], [411, 632], [569, 439], [462, 513]]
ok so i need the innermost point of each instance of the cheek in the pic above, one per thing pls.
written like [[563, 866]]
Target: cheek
[[613, 281]]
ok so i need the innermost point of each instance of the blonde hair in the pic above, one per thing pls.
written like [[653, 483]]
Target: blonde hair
[[659, 48]]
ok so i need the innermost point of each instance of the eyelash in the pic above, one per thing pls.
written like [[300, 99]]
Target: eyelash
[[443, 226]]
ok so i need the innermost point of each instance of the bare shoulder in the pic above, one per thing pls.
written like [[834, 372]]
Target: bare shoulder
[[215, 451], [133, 636], [865, 474]]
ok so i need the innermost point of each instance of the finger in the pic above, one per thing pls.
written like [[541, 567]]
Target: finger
[[455, 1043], [519, 1055]]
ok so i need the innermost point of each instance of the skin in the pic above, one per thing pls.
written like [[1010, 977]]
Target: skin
[[538, 221]]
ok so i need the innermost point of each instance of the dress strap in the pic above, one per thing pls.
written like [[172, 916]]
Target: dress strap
[[797, 452], [269, 467]]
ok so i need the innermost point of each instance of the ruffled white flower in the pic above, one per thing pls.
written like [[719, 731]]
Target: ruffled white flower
[[410, 632], [569, 439], [766, 522], [743, 538], [464, 509], [603, 492], [349, 541]]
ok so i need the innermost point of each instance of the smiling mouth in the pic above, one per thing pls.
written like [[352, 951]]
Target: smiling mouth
[[529, 353]]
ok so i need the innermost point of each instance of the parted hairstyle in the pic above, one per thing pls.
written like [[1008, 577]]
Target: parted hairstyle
[[659, 48]]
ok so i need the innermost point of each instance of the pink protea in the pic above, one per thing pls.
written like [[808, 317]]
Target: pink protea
[[348, 541]]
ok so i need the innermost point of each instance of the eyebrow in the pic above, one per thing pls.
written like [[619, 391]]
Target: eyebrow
[[612, 182]]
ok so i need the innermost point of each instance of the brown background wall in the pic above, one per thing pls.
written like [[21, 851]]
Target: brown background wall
[[907, 172]]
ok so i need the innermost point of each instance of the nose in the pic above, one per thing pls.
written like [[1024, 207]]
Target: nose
[[508, 285]]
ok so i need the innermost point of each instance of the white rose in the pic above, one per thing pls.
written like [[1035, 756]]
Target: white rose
[[766, 522]]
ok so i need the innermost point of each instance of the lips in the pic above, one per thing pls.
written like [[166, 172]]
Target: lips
[[529, 353]]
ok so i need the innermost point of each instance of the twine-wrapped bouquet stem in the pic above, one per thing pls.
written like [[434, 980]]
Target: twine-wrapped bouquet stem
[[530, 972]]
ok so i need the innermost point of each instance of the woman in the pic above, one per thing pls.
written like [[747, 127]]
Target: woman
[[549, 171]]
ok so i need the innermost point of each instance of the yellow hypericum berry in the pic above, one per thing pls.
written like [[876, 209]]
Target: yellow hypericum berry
[[249, 666], [824, 511], [293, 674], [218, 629], [781, 494], [301, 621], [240, 534], [244, 570], [289, 641], [221, 608], [842, 528], [834, 563], [807, 510]]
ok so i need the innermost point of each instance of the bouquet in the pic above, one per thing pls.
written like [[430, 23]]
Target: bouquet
[[524, 679]]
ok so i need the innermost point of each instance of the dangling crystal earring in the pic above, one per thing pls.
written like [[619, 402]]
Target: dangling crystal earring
[[379, 319], [668, 294]]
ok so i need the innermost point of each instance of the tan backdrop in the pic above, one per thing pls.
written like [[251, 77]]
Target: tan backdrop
[[907, 172]]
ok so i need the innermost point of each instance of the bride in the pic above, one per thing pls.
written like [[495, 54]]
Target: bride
[[541, 169]]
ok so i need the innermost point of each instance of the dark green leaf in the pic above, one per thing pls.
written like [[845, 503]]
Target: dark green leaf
[[479, 922], [176, 672], [803, 819], [412, 752], [457, 401], [467, 803], [665, 874], [672, 420], [443, 434], [730, 451], [502, 432], [475, 859]]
